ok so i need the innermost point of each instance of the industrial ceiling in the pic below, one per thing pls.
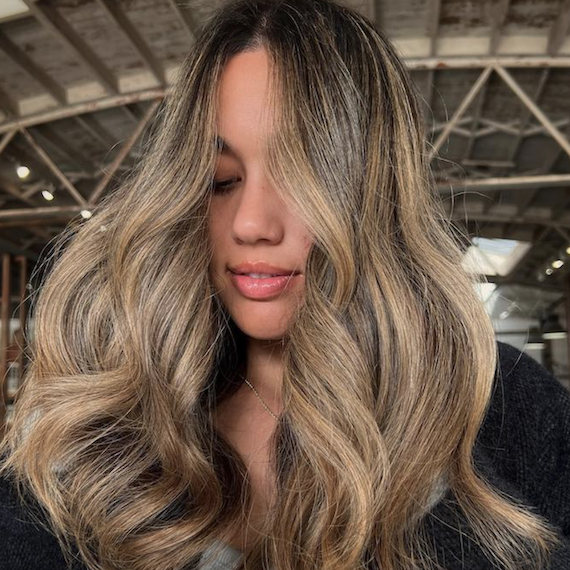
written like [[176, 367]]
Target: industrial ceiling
[[80, 81]]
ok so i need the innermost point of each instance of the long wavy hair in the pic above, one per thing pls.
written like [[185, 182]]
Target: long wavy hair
[[388, 363]]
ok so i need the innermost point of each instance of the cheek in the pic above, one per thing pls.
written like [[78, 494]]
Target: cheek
[[307, 241]]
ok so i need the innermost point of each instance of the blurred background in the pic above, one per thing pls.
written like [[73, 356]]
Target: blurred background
[[80, 81]]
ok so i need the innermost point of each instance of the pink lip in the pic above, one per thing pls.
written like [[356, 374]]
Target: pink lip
[[260, 267], [263, 287]]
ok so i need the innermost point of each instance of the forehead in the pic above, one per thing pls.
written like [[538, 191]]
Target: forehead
[[244, 116]]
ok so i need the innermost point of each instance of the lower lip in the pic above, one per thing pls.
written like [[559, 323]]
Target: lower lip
[[262, 287]]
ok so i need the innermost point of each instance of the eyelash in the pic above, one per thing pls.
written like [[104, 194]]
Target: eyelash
[[223, 186]]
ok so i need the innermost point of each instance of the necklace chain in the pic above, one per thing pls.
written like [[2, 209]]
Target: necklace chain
[[260, 398]]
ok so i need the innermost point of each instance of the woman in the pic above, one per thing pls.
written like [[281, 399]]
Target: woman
[[183, 408]]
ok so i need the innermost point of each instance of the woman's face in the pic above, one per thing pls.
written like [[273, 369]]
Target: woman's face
[[248, 221]]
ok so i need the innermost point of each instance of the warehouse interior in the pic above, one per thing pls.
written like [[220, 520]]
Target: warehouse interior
[[81, 81]]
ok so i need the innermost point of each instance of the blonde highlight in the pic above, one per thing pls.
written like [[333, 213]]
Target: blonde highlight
[[389, 362]]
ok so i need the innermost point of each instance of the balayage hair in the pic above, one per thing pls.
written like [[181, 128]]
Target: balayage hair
[[388, 363]]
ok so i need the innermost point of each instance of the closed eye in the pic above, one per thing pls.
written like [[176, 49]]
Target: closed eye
[[223, 186]]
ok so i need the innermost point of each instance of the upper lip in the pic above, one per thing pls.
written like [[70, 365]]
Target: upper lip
[[261, 267]]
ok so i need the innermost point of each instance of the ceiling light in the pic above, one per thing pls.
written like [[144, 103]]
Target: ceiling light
[[22, 171]]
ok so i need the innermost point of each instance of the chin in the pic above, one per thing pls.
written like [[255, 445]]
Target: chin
[[269, 320], [262, 333]]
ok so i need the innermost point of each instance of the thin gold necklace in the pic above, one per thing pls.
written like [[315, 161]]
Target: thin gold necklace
[[260, 398]]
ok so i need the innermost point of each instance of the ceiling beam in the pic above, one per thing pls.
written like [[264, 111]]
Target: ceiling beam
[[48, 17], [11, 189], [540, 129], [90, 124], [114, 11], [185, 18], [54, 168], [534, 108], [509, 128], [497, 22], [433, 30], [480, 102], [487, 163], [43, 213], [125, 150], [559, 29], [40, 223], [492, 127], [6, 140], [81, 108], [475, 62], [433, 25], [463, 216], [67, 150], [8, 106], [565, 235], [22, 154], [437, 127], [507, 182], [129, 113], [16, 121], [507, 280], [20, 58], [471, 94], [523, 200], [559, 209]]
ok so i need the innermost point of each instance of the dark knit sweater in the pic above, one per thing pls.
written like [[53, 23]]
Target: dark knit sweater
[[523, 448]]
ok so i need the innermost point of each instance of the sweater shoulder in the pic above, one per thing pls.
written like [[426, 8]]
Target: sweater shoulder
[[521, 372], [27, 541], [525, 436], [528, 401], [524, 396]]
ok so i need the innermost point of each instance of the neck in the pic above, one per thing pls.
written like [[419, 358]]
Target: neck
[[265, 370]]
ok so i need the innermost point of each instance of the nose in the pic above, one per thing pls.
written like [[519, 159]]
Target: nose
[[259, 213]]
